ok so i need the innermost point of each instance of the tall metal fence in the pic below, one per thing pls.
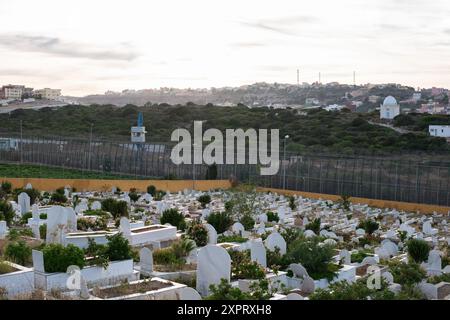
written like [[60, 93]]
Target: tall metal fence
[[409, 179]]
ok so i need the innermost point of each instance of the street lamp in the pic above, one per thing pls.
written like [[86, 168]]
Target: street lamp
[[284, 160]]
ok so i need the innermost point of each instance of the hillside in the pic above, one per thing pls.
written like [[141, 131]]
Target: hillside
[[318, 130]]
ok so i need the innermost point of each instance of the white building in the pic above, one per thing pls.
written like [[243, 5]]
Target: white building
[[439, 131], [389, 109], [12, 92], [49, 94]]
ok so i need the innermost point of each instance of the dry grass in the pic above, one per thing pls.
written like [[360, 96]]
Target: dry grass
[[127, 289]]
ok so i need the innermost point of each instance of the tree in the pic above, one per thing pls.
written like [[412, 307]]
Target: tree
[[118, 248], [221, 221], [204, 199], [6, 212], [418, 250], [198, 232], [173, 217]]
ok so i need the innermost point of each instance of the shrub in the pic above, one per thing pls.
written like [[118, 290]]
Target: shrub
[[25, 217], [58, 258], [232, 238], [248, 270], [229, 206], [166, 256], [18, 252], [313, 256], [85, 224], [275, 260], [418, 250], [224, 291], [360, 255], [151, 190], [407, 274], [5, 268], [369, 226], [272, 216], [221, 221], [58, 197], [247, 221], [6, 212], [204, 199], [116, 208], [173, 217], [290, 235], [159, 195], [6, 187], [43, 231], [344, 202], [292, 202], [343, 290], [314, 226], [198, 232], [118, 248], [183, 248], [134, 196]]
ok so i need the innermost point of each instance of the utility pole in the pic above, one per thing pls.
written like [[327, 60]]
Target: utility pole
[[21, 142], [284, 162], [90, 148]]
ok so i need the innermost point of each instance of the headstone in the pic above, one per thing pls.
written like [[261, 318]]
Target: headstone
[[146, 260], [344, 255], [258, 252], [309, 234], [434, 263], [3, 229], [114, 189], [84, 291], [294, 296], [261, 228], [213, 264], [388, 277], [238, 228], [96, 205], [38, 261], [28, 186], [360, 232], [56, 224], [188, 293], [428, 290], [24, 201], [428, 229], [275, 240], [369, 261], [308, 286], [330, 242], [35, 212], [212, 233], [298, 270], [125, 227], [71, 219]]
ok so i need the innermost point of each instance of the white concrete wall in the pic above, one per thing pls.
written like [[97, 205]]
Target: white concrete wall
[[157, 235], [18, 282], [93, 275]]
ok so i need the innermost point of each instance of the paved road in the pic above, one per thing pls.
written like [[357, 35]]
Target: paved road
[[8, 109]]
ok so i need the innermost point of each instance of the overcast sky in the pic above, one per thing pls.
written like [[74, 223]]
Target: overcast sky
[[90, 46]]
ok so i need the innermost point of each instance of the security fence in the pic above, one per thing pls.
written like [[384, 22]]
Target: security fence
[[400, 178]]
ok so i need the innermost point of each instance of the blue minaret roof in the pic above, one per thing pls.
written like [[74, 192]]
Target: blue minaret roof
[[140, 122]]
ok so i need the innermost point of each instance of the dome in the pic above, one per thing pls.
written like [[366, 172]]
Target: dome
[[390, 101]]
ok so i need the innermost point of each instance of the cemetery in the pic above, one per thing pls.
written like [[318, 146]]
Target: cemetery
[[237, 243]]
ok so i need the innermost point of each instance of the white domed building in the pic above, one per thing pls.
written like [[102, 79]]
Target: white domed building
[[389, 109]]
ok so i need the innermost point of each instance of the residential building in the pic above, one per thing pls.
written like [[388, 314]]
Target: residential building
[[13, 92], [389, 109], [439, 131], [49, 94]]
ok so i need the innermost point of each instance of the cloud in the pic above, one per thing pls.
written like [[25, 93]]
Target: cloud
[[57, 47], [282, 25], [248, 44]]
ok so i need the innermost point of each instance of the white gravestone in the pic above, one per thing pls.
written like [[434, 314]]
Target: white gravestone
[[96, 205], [146, 260], [125, 227], [212, 234], [258, 252], [298, 270], [188, 293], [238, 228], [38, 261], [213, 264], [3, 229], [24, 201], [56, 225], [276, 240]]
